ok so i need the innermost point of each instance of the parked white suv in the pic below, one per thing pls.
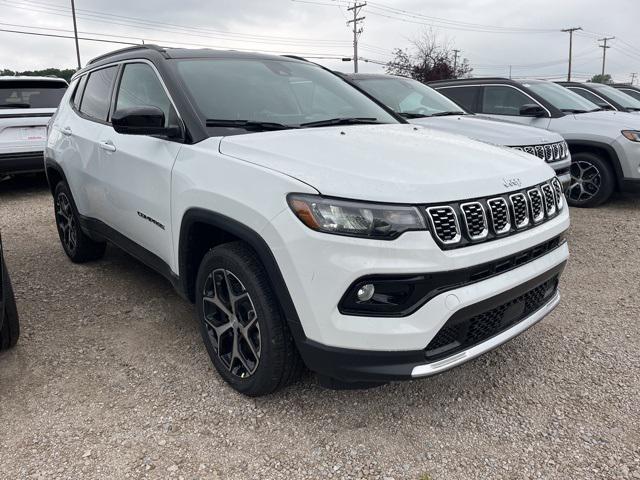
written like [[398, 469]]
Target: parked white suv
[[605, 146], [26, 106], [308, 223], [422, 105]]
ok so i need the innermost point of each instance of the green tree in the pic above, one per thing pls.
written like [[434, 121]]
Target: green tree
[[601, 78], [66, 73]]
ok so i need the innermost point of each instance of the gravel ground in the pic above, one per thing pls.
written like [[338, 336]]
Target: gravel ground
[[111, 380]]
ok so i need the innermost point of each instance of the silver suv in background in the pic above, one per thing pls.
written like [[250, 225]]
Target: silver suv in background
[[26, 106], [422, 105], [605, 145]]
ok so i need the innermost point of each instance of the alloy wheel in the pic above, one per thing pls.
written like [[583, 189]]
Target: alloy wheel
[[66, 222], [586, 181], [232, 323]]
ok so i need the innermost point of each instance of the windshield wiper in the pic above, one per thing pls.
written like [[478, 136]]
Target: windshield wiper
[[342, 121], [413, 115], [445, 114], [248, 124], [15, 105], [572, 110]]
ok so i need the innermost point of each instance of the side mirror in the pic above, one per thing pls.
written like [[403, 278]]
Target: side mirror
[[532, 110], [144, 120]]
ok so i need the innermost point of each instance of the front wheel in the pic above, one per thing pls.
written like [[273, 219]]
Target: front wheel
[[592, 181], [243, 329]]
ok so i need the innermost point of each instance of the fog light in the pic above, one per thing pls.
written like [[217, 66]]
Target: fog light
[[365, 292]]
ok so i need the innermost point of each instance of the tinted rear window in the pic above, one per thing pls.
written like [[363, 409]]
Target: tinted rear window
[[97, 93], [31, 93]]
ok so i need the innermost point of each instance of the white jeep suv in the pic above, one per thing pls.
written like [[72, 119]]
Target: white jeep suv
[[308, 223], [26, 106]]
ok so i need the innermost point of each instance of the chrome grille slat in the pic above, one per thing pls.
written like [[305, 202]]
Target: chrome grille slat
[[444, 222], [500, 216], [557, 189], [549, 199], [537, 204], [475, 220], [520, 210]]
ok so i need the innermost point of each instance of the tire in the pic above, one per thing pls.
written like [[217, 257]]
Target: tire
[[76, 244], [592, 181], [10, 330], [245, 333]]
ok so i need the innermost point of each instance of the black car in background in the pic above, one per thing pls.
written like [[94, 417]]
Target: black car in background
[[606, 97], [9, 324]]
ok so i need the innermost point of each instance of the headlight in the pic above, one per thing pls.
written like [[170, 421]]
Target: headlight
[[633, 135], [354, 218]]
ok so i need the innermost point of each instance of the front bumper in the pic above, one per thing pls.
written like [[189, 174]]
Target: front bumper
[[21, 162]]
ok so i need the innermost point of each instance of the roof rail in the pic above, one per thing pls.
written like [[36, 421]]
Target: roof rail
[[146, 46], [297, 57]]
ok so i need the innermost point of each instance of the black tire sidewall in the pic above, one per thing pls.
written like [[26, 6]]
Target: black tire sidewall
[[606, 174], [11, 324], [266, 378]]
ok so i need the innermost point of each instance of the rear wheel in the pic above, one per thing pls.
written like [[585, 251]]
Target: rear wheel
[[592, 181], [243, 329], [10, 330], [76, 244]]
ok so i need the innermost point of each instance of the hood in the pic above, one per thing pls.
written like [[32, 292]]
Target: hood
[[489, 130], [606, 125], [389, 163], [619, 119]]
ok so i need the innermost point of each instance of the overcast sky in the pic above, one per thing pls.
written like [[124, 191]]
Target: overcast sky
[[318, 28]]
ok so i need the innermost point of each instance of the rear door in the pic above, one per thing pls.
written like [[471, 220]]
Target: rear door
[[80, 125], [136, 169], [505, 102]]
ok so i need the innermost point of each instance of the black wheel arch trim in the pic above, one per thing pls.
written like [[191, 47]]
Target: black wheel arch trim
[[615, 159], [256, 242]]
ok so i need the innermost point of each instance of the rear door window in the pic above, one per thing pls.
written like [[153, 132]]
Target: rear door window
[[77, 94], [466, 97], [97, 93], [31, 93], [503, 100]]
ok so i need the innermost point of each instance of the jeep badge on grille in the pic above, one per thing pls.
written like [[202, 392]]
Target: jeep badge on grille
[[514, 182]]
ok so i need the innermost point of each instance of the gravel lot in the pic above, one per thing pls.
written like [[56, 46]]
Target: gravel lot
[[110, 380]]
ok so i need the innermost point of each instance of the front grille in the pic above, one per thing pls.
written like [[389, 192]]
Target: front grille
[[549, 152], [445, 224], [462, 332], [475, 220], [458, 224], [557, 189], [537, 209]]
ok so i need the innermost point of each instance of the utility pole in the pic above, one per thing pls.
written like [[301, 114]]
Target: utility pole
[[633, 78], [75, 33], [455, 60], [570, 31], [604, 52], [509, 72], [356, 31]]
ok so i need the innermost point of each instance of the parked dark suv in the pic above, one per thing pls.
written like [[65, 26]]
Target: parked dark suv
[[605, 96], [9, 325]]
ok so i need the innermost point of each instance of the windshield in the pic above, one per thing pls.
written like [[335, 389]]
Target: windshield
[[561, 98], [245, 93], [633, 93], [617, 96], [407, 96], [31, 93]]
